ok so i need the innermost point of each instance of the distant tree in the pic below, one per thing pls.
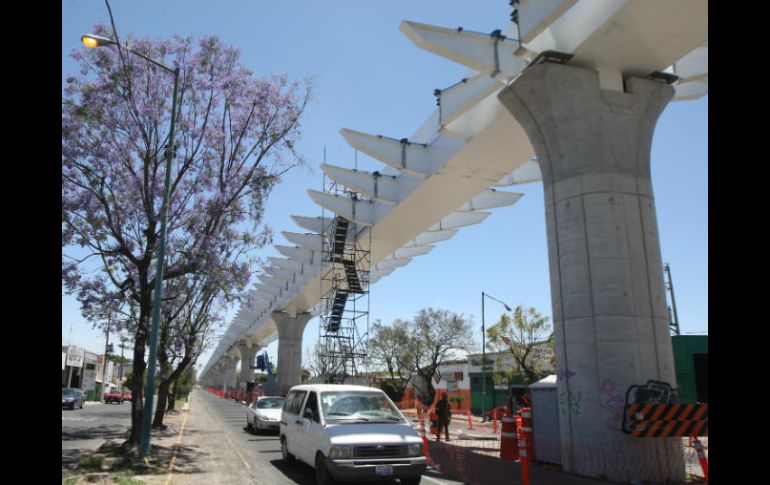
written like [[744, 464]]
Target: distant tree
[[434, 335], [235, 136], [390, 347], [521, 335], [316, 362]]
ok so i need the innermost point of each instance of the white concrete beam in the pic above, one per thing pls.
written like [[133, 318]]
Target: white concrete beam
[[272, 290], [307, 241], [534, 17], [431, 238], [608, 35], [384, 188], [694, 66], [459, 219], [528, 172], [318, 225], [273, 282], [460, 98], [489, 199], [385, 265], [489, 54], [299, 254], [691, 90], [360, 211], [414, 159], [281, 273], [294, 279], [409, 252]]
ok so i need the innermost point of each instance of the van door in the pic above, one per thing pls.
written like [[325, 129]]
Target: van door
[[313, 432], [290, 415]]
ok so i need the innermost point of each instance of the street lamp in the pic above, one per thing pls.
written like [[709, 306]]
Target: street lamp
[[484, 354], [92, 41]]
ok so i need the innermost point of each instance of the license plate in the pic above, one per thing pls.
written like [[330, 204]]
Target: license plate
[[383, 470]]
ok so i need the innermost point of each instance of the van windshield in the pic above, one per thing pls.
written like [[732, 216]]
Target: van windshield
[[358, 406]]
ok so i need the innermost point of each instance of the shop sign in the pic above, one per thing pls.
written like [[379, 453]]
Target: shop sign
[[75, 357]]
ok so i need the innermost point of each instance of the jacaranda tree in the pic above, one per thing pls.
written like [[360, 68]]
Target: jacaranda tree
[[236, 135]]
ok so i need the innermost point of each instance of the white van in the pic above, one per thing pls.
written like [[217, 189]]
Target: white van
[[350, 433]]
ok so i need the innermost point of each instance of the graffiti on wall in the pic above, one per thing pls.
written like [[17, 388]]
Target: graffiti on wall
[[613, 404], [570, 401], [654, 392]]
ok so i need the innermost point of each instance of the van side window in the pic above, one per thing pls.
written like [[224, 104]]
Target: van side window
[[312, 404], [288, 401], [296, 402]]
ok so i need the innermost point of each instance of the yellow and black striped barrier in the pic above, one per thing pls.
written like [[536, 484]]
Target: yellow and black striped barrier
[[668, 420]]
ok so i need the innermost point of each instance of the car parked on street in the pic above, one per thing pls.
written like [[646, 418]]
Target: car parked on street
[[114, 395], [72, 398], [126, 395], [350, 433], [264, 413]]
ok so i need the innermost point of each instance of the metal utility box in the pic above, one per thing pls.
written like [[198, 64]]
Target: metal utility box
[[545, 420]]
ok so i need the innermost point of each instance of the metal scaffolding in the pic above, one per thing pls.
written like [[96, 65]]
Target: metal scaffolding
[[344, 291]]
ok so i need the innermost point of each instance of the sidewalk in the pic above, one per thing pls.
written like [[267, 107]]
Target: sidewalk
[[199, 453]]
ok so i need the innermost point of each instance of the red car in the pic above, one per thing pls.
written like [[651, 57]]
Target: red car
[[501, 410], [113, 396], [126, 395]]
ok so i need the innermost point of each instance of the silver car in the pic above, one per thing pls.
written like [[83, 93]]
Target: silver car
[[264, 413], [72, 398]]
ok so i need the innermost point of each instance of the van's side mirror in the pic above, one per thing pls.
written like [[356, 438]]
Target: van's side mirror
[[308, 414]]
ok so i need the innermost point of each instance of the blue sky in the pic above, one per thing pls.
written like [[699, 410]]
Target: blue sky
[[368, 76]]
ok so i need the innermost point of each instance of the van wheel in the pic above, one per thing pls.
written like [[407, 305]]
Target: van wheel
[[287, 457], [322, 475]]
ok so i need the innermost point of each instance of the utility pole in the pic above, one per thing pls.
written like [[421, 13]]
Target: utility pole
[[106, 352], [674, 322], [122, 360]]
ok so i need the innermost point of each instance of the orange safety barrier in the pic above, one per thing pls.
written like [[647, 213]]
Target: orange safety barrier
[[422, 435], [509, 449], [526, 430]]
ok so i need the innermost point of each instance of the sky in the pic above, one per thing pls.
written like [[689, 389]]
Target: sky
[[369, 77]]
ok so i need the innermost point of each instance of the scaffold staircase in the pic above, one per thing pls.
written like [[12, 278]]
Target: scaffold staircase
[[345, 295]]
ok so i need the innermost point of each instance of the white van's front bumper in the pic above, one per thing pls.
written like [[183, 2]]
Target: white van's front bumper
[[376, 468]]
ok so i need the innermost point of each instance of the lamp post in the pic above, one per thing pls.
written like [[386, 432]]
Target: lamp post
[[98, 41], [484, 354]]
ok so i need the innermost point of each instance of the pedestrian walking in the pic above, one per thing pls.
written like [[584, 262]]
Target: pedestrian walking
[[444, 416]]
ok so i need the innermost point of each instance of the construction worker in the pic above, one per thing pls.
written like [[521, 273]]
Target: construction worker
[[444, 416]]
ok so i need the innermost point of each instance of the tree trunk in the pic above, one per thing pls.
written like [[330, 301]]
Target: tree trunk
[[137, 389], [163, 389], [160, 409], [173, 395]]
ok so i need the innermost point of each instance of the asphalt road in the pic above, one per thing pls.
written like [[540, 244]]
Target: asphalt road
[[260, 453], [86, 429]]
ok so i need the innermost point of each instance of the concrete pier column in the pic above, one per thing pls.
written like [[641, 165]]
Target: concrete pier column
[[218, 375], [290, 330], [228, 370], [248, 352], [608, 297]]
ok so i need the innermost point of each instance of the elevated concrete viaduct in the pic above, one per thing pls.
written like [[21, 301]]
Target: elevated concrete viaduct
[[570, 95]]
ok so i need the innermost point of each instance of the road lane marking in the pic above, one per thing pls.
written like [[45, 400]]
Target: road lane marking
[[178, 441]]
